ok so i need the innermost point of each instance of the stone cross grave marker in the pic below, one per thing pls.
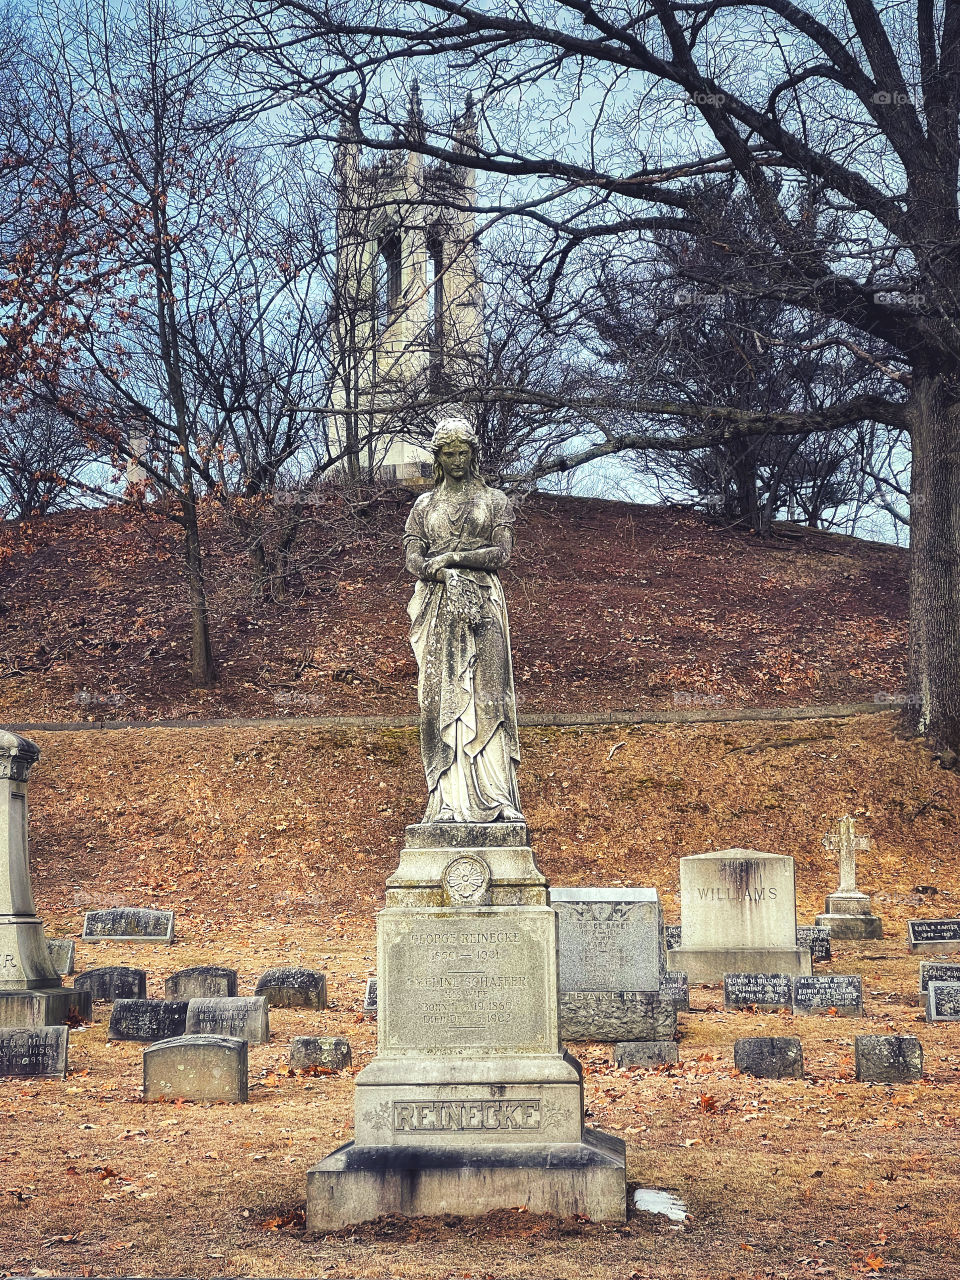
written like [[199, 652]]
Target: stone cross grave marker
[[847, 912], [847, 843]]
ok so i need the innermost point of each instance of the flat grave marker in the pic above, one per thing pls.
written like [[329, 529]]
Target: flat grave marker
[[147, 1019], [934, 971], [943, 1002], [332, 1052], [888, 1059], [767, 991], [197, 1069], [671, 936], [128, 924], [34, 1051], [832, 991], [933, 935], [675, 987]]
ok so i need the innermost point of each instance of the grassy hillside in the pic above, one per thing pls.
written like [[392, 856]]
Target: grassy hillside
[[612, 606]]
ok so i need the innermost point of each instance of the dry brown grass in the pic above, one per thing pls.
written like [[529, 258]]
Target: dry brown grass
[[252, 838]]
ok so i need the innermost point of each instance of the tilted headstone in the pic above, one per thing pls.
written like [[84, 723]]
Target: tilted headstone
[[370, 999], [609, 939], [197, 1068], [147, 1019], [933, 935], [888, 1059], [128, 924], [816, 939], [646, 1053], [332, 1052], [738, 915], [293, 988], [671, 936], [768, 991], [833, 992], [617, 1015], [943, 1002], [113, 982], [30, 986], [63, 954], [848, 913], [932, 971], [245, 1017], [674, 986], [199, 982], [40, 1051], [769, 1057]]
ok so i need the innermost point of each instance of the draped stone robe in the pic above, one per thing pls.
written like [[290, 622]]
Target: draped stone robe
[[468, 717]]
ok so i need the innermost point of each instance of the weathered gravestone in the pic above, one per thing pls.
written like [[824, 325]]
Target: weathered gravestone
[[738, 915], [293, 988], [44, 1008], [471, 1103], [197, 1069], [611, 949], [370, 999], [831, 993], [933, 935], [674, 986], [244, 1017], [816, 939], [769, 1057], [646, 1053], [671, 936], [617, 1015], [128, 924], [63, 954], [943, 1002], [113, 982], [40, 1051], [199, 982], [932, 971], [848, 913], [767, 991], [31, 992], [332, 1052], [147, 1019], [888, 1059]]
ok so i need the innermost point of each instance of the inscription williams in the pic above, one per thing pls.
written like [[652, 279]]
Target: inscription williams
[[733, 895], [453, 1117]]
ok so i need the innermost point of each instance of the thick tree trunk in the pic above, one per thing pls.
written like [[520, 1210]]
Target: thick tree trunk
[[202, 669], [933, 707]]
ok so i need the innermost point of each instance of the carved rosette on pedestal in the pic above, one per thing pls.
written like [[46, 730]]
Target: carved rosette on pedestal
[[31, 992], [471, 1103]]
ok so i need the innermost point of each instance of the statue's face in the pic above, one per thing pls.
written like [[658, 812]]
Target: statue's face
[[455, 459]]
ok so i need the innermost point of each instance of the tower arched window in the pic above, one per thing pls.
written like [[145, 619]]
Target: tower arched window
[[435, 302], [389, 282]]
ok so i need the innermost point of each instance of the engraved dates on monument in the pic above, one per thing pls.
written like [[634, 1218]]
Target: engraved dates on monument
[[475, 980]]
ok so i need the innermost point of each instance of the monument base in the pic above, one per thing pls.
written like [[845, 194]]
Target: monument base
[[710, 964], [858, 926], [25, 956], [358, 1183], [49, 1008]]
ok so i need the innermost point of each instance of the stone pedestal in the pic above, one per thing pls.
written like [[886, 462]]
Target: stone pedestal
[[471, 1104], [850, 915], [738, 914], [28, 976]]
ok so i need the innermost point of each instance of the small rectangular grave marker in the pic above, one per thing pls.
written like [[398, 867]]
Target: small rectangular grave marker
[[943, 1002], [370, 999], [35, 1051], [933, 935], [197, 1069], [831, 991], [671, 933], [757, 990], [201, 982], [675, 987], [147, 1019], [293, 988], [62, 953], [932, 971], [244, 1017], [128, 924], [332, 1052], [888, 1059], [816, 939]]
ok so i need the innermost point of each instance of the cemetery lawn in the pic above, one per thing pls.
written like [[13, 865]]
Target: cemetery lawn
[[272, 846]]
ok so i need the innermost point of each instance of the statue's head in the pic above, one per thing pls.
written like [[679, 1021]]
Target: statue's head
[[455, 431]]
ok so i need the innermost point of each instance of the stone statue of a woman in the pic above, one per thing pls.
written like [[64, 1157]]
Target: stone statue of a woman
[[458, 536]]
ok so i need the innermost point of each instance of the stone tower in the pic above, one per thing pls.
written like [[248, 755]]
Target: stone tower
[[407, 321]]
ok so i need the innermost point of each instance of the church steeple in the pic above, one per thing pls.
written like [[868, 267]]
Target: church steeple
[[416, 121]]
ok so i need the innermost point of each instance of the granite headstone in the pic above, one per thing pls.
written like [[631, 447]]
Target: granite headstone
[[832, 993], [943, 1002], [332, 1052], [128, 924], [113, 982], [888, 1059], [293, 988], [37, 1051], [244, 1017], [200, 982], [767, 991], [147, 1019], [933, 935], [197, 1069]]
